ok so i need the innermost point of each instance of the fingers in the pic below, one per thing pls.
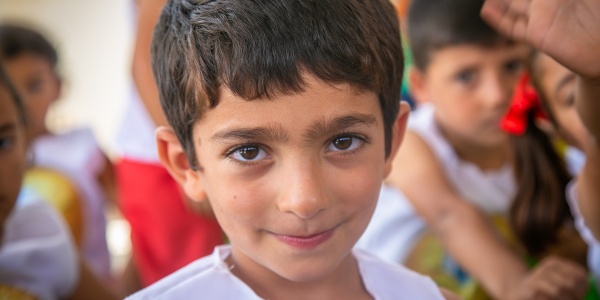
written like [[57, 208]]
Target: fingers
[[509, 17], [556, 278]]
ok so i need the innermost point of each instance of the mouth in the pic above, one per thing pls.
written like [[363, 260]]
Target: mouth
[[308, 241]]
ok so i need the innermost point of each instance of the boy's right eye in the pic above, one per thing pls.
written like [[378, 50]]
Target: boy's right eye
[[247, 153], [465, 77]]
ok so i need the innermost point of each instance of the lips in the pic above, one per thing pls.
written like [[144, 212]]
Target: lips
[[306, 242]]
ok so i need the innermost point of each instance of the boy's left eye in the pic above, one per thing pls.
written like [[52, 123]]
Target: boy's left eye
[[6, 143], [345, 143]]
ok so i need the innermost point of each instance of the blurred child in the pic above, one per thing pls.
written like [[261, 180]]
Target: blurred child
[[30, 61], [569, 90], [37, 255], [457, 166], [556, 86], [170, 232], [289, 139]]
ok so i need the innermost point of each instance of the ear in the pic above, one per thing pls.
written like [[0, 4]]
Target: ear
[[397, 135], [173, 157], [417, 83]]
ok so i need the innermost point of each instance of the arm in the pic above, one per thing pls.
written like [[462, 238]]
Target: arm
[[463, 230], [149, 12], [468, 236]]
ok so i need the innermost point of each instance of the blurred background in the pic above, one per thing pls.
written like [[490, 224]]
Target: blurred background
[[94, 40]]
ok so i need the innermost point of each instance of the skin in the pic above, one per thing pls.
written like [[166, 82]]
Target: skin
[[39, 86], [557, 85], [290, 169], [567, 31], [12, 155]]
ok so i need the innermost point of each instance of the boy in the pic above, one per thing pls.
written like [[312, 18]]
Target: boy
[[285, 116], [456, 173]]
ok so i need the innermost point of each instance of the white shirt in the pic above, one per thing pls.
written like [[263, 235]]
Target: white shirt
[[37, 254], [211, 278], [76, 155], [395, 226], [585, 232]]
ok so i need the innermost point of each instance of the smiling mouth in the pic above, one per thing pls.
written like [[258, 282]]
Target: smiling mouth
[[306, 242]]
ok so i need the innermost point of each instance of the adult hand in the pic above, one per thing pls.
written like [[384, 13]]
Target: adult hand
[[567, 30]]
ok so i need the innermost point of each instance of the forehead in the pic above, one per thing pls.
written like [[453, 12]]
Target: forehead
[[27, 64], [452, 57], [319, 101], [549, 71]]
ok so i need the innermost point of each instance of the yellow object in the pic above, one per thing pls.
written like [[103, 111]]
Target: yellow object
[[429, 257], [60, 192], [12, 293]]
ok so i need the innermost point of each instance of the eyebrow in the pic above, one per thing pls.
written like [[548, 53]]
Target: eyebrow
[[339, 123], [7, 127], [267, 133], [275, 133], [563, 82]]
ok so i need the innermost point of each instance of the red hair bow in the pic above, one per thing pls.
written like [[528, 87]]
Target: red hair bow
[[525, 99]]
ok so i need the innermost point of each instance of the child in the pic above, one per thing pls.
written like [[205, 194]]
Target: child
[[457, 162], [37, 256], [569, 97], [30, 61], [285, 116]]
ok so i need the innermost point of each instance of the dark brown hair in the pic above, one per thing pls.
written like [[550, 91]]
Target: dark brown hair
[[261, 48], [540, 207], [16, 40], [435, 24]]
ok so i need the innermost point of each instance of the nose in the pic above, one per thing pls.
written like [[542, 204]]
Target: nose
[[497, 91], [303, 192]]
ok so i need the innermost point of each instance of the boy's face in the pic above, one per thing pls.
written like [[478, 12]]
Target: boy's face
[[471, 87], [293, 180], [557, 84], [35, 80], [12, 155]]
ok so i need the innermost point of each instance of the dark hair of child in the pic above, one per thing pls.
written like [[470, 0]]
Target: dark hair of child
[[258, 49], [433, 25], [16, 40]]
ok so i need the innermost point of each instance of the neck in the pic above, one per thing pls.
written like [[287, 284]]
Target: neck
[[344, 282], [486, 157]]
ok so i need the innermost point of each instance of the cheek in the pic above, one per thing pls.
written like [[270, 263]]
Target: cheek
[[238, 202], [357, 189]]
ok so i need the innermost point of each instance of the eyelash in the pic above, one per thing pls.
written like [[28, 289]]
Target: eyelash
[[6, 143], [363, 140], [233, 150]]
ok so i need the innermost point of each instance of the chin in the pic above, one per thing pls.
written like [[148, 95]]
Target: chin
[[307, 272]]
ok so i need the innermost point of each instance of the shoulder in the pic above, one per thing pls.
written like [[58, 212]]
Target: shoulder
[[392, 281], [208, 276]]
